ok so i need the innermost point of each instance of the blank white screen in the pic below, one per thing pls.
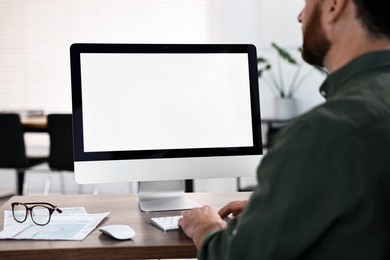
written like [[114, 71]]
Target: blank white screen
[[165, 101]]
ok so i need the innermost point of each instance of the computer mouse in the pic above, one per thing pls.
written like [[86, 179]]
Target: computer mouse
[[120, 232]]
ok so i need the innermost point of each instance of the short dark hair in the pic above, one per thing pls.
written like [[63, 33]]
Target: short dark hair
[[374, 15]]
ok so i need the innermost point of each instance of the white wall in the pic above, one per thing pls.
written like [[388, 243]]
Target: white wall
[[281, 25]]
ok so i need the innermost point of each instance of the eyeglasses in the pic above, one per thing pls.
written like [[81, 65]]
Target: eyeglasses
[[40, 213]]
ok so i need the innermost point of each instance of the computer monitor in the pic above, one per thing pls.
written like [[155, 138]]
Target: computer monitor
[[159, 114]]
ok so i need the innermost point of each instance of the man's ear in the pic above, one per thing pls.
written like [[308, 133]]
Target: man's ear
[[333, 9]]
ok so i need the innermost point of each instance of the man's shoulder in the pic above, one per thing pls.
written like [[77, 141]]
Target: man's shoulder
[[329, 123]]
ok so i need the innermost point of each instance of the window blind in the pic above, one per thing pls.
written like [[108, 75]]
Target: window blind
[[35, 37]]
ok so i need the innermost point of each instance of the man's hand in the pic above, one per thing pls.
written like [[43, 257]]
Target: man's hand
[[235, 208], [197, 222]]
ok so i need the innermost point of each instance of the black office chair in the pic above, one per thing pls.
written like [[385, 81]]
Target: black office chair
[[13, 148], [61, 145]]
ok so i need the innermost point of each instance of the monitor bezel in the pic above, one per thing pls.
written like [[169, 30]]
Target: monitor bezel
[[79, 48]]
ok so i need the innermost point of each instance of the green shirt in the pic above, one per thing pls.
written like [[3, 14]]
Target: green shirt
[[324, 189]]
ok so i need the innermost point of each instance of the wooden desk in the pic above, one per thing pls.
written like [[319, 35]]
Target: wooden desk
[[148, 243]]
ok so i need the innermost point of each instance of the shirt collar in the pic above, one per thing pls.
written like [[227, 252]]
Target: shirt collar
[[361, 64]]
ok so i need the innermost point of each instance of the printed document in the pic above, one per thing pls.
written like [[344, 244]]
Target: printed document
[[72, 224]]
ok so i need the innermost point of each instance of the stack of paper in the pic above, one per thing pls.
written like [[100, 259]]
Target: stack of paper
[[71, 224]]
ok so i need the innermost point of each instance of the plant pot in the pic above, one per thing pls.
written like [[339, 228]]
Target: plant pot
[[285, 108]]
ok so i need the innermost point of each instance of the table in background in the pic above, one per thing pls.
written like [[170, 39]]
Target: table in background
[[36, 124], [149, 242]]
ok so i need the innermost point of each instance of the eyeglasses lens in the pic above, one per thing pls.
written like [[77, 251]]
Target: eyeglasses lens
[[40, 215], [20, 213]]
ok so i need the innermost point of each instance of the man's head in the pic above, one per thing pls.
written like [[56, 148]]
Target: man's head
[[325, 22]]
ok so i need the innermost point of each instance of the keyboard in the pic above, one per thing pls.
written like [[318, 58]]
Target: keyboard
[[166, 223]]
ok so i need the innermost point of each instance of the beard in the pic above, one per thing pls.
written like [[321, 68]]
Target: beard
[[315, 44]]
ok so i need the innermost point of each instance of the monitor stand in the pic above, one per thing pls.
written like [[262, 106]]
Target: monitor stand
[[163, 196]]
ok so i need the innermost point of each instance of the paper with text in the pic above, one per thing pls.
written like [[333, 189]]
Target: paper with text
[[72, 224]]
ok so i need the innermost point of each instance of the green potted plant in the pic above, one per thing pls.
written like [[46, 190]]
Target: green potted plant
[[284, 92]]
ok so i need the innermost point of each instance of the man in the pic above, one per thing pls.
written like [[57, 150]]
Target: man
[[324, 189]]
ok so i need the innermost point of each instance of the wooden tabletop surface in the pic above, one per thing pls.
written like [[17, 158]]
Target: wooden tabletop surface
[[148, 243]]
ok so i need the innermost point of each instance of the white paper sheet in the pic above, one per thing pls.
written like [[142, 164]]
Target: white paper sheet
[[72, 224]]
